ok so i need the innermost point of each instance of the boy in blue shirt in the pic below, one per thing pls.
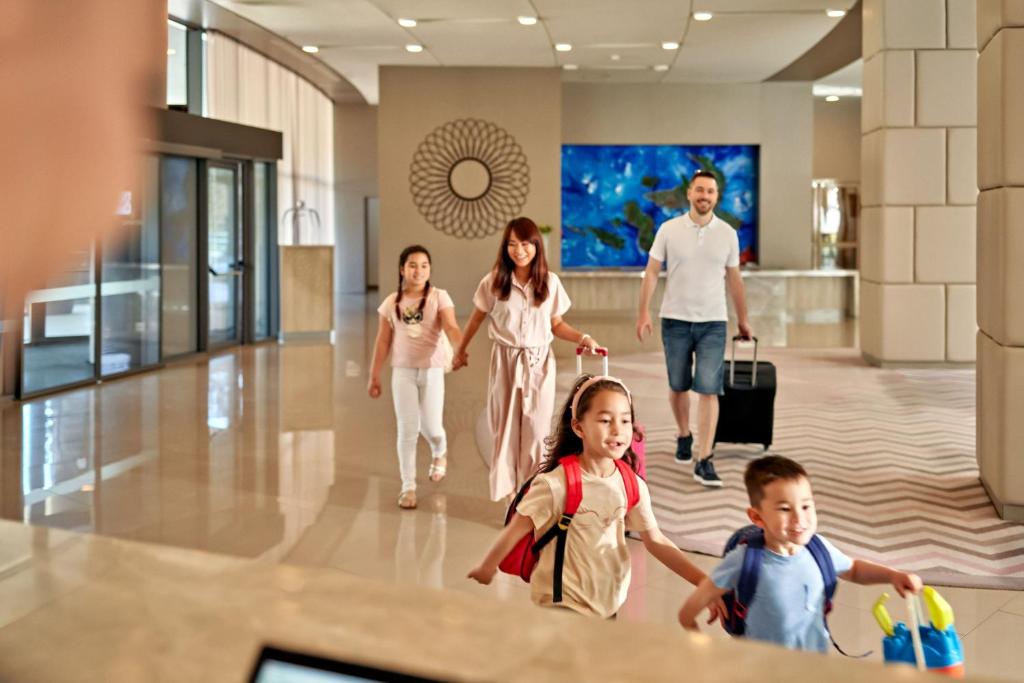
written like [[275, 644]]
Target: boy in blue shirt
[[788, 604]]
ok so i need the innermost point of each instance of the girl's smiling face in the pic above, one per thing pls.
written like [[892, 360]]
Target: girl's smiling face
[[607, 427], [416, 270], [522, 252]]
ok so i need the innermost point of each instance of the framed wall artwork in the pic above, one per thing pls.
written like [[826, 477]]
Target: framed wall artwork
[[614, 198]]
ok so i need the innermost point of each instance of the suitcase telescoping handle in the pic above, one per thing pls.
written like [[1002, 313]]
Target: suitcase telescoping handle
[[732, 365], [600, 351]]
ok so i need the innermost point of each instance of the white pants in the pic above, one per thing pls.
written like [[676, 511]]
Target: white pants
[[419, 409]]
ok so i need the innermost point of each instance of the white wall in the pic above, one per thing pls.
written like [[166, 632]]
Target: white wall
[[776, 116], [837, 139], [355, 177], [416, 100]]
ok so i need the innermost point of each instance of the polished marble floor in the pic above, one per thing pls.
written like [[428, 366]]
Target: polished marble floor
[[277, 454]]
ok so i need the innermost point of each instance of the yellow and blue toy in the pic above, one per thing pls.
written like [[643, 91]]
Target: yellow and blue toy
[[935, 646]]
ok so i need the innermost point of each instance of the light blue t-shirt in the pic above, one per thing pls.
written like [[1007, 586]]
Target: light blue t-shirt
[[789, 603]]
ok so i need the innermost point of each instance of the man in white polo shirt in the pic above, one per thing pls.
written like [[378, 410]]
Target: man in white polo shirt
[[703, 256]]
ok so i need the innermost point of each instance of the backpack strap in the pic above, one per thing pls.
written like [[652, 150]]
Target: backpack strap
[[560, 530], [750, 572], [629, 479], [828, 574]]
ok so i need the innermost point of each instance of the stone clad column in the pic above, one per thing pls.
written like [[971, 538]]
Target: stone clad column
[[1001, 253], [918, 182]]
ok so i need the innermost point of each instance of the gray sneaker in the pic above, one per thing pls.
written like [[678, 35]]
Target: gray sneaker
[[704, 472], [684, 449]]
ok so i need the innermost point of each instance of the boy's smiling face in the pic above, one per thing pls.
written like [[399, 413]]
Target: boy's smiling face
[[786, 514]]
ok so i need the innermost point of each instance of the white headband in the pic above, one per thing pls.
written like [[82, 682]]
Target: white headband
[[591, 382]]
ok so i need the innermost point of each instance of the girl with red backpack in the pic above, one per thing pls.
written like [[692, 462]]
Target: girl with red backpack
[[585, 497]]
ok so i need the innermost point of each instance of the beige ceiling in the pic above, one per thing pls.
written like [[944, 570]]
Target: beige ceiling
[[746, 41]]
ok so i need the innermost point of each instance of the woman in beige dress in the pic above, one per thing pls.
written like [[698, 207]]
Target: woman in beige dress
[[524, 303]]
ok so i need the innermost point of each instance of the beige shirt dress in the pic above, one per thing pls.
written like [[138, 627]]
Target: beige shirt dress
[[521, 391]]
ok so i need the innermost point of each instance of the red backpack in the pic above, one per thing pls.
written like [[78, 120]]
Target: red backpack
[[521, 560]]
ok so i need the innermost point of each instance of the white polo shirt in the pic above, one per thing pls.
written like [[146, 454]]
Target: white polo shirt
[[697, 258]]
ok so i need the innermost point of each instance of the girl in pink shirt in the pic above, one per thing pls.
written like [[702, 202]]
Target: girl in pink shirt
[[524, 303], [411, 324]]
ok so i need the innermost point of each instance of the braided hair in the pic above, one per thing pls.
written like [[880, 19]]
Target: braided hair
[[403, 257]]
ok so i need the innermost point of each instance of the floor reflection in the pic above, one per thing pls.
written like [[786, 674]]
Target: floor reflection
[[274, 453], [421, 563]]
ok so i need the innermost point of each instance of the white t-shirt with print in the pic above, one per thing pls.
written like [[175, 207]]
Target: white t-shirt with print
[[697, 258], [595, 576]]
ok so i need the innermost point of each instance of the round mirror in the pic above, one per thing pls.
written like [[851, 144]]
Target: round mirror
[[469, 179]]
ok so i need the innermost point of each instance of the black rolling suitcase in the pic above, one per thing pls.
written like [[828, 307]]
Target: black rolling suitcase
[[747, 409]]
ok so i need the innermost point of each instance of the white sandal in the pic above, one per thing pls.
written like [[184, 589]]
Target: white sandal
[[437, 472], [407, 499]]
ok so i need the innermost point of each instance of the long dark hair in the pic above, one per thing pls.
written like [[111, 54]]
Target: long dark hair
[[525, 230], [564, 441], [403, 257]]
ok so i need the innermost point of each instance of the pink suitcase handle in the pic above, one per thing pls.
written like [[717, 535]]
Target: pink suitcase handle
[[599, 351]]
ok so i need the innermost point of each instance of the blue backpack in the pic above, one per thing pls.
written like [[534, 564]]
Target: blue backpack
[[737, 601]]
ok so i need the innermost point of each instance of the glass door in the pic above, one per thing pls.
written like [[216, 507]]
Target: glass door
[[224, 260]]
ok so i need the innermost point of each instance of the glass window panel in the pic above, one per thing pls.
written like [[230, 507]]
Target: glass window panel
[[179, 220], [261, 249], [58, 327], [177, 65], [223, 255], [130, 281]]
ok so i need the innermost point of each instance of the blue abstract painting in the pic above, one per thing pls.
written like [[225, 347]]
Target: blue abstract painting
[[614, 198]]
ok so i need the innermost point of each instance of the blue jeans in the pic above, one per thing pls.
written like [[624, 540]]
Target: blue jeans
[[685, 340]]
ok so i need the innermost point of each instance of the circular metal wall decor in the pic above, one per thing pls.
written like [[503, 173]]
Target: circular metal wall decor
[[469, 178]]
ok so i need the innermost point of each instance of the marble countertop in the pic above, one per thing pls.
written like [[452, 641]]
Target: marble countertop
[[88, 608], [596, 274]]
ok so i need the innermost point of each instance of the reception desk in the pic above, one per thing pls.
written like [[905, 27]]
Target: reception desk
[[798, 296], [89, 608]]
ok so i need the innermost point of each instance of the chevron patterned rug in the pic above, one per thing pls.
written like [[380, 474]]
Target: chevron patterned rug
[[890, 454]]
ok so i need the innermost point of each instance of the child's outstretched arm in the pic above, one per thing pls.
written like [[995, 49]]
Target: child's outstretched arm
[[380, 352], [519, 526], [867, 573], [666, 552], [706, 594], [475, 320]]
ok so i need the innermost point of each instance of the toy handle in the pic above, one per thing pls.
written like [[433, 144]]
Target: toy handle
[[599, 351], [914, 619]]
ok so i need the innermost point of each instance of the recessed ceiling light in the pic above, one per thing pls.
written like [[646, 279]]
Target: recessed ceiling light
[[616, 58], [570, 67], [661, 67], [835, 13], [414, 47], [563, 47], [703, 16], [407, 23], [670, 45], [311, 49], [527, 21], [832, 98], [171, 51]]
